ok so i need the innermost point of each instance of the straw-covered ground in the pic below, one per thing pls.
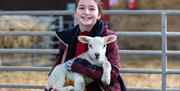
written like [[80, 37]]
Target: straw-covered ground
[[19, 23], [131, 80]]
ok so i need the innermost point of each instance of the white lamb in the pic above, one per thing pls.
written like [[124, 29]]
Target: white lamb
[[95, 55]]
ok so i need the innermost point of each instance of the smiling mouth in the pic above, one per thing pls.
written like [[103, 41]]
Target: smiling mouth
[[85, 18]]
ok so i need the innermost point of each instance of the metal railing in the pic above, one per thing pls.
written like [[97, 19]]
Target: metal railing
[[163, 52]]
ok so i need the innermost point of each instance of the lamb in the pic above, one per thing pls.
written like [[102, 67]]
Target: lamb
[[95, 55]]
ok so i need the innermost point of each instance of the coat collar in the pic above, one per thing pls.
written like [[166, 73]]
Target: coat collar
[[97, 29], [67, 34]]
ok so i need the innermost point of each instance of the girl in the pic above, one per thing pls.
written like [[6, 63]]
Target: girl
[[88, 14]]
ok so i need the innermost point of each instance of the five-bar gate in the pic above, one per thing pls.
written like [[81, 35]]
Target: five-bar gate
[[163, 52]]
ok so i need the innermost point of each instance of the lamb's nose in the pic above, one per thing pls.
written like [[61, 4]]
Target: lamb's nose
[[97, 55]]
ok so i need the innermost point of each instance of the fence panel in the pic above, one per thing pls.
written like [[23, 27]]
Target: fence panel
[[163, 52]]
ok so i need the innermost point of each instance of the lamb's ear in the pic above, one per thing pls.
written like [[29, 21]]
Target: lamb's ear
[[84, 39], [110, 38]]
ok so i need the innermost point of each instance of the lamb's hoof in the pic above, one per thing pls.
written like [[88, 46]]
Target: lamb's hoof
[[105, 79]]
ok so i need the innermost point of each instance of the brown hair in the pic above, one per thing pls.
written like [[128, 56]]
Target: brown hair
[[99, 4]]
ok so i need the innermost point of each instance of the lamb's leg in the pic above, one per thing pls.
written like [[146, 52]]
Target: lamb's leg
[[67, 88], [106, 76], [57, 79], [79, 83]]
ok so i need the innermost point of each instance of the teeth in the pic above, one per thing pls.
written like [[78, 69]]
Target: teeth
[[85, 18]]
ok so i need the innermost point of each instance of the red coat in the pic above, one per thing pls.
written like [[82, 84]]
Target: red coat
[[69, 38]]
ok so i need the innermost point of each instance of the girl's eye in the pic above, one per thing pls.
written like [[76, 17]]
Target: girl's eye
[[91, 9], [81, 8]]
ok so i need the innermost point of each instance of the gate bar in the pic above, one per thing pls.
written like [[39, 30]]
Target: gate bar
[[42, 87], [51, 33], [122, 70], [164, 50], [55, 51], [106, 12]]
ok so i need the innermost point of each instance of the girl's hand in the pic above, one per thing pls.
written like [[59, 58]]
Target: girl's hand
[[68, 64]]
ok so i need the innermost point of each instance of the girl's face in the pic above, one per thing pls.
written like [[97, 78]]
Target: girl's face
[[87, 12]]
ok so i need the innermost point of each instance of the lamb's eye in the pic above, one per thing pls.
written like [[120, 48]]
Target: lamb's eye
[[104, 46], [90, 46]]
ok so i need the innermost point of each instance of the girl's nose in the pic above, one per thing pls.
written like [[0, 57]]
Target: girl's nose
[[86, 11]]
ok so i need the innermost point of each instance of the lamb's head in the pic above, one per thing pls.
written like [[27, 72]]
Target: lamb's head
[[97, 45]]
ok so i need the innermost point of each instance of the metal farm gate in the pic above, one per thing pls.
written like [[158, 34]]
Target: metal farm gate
[[163, 52]]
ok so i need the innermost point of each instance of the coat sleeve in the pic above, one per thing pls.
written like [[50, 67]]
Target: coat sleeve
[[92, 71], [59, 56]]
